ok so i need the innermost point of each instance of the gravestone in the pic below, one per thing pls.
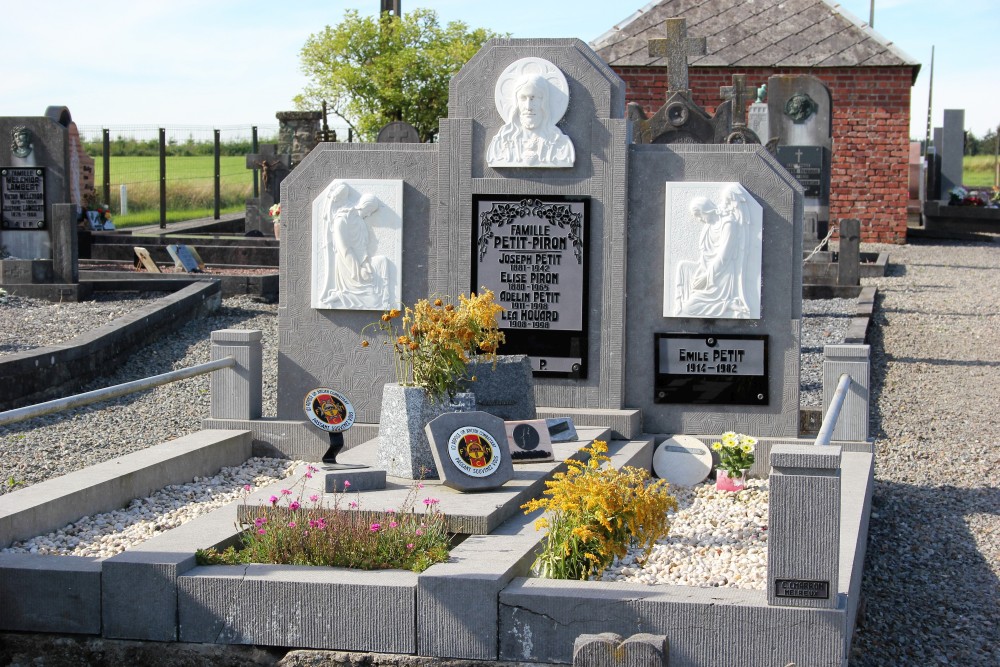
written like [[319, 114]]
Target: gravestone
[[952, 150], [800, 114], [757, 116], [529, 441], [470, 450], [37, 216], [547, 204], [398, 132]]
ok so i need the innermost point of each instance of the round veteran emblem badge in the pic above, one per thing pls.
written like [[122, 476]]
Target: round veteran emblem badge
[[329, 410], [474, 451]]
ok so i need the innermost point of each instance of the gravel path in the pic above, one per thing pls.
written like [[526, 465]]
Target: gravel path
[[932, 574]]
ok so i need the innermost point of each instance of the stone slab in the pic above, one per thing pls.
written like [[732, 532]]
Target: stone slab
[[360, 479], [623, 424], [60, 594], [507, 390], [301, 606], [50, 505], [457, 466], [295, 439]]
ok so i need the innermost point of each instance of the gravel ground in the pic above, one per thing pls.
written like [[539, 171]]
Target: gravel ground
[[932, 575]]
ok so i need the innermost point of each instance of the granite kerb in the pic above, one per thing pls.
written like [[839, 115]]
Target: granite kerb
[[53, 371]]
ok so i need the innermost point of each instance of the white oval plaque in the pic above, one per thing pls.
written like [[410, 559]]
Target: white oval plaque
[[682, 460]]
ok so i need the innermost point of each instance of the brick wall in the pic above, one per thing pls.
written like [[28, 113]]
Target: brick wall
[[871, 125]]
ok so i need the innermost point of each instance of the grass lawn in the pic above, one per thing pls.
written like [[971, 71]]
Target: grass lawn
[[979, 171]]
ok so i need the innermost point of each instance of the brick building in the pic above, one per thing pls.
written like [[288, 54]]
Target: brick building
[[869, 80]]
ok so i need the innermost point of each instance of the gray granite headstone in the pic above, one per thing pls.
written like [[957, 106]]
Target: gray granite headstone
[[952, 150], [470, 450], [505, 389], [757, 121], [398, 132], [800, 116]]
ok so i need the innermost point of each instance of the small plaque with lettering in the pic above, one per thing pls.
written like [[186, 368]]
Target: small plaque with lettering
[[706, 369], [22, 198], [806, 164], [799, 588], [531, 250]]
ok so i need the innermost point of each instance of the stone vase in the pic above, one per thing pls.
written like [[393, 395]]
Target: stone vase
[[723, 482], [403, 449]]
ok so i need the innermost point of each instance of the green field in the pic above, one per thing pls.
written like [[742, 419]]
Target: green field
[[979, 171], [190, 187]]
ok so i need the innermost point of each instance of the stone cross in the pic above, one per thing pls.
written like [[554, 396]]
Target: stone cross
[[739, 94], [676, 48]]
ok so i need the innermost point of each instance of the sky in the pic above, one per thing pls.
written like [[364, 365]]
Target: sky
[[228, 63]]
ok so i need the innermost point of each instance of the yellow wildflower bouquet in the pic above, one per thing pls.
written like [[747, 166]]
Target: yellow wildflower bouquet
[[433, 342], [595, 513]]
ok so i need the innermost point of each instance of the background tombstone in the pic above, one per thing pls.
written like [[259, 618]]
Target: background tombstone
[[952, 150], [398, 132], [800, 116]]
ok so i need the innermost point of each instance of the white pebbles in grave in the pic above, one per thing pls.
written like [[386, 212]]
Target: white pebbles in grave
[[109, 534], [717, 539]]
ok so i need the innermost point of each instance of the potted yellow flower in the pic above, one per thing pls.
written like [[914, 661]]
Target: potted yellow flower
[[432, 345], [735, 452]]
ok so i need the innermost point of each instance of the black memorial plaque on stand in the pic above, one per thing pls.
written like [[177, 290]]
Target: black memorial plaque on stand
[[22, 198], [706, 369], [806, 164], [531, 250]]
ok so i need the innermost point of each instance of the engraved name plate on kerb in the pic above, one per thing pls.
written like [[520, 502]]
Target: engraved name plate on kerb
[[22, 198], [707, 369], [799, 588], [532, 252]]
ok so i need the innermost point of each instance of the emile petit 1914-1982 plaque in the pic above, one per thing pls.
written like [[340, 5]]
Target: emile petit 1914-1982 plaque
[[22, 197], [532, 252], [710, 369]]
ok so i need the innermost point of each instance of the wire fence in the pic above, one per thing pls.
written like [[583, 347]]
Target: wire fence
[[200, 180]]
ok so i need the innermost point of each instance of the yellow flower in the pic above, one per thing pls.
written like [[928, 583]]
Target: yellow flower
[[716, 446], [364, 343]]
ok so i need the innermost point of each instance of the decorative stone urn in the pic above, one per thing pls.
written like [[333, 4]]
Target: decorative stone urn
[[403, 449]]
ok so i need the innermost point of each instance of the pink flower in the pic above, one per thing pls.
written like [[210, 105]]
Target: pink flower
[[291, 524], [354, 504], [274, 500], [375, 527], [286, 492], [431, 501], [420, 485], [419, 532], [314, 497], [295, 505], [312, 468], [260, 521], [393, 524], [390, 511], [309, 475], [409, 546], [261, 531], [247, 487], [347, 484]]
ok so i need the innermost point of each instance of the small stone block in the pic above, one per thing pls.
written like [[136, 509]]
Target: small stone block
[[561, 429], [529, 441], [235, 336], [608, 650], [470, 450], [805, 456], [506, 390], [360, 480]]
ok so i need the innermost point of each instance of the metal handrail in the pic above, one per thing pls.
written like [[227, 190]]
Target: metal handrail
[[833, 412], [114, 391]]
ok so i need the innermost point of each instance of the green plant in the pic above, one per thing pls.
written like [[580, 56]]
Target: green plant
[[735, 452], [291, 531], [435, 342], [595, 513]]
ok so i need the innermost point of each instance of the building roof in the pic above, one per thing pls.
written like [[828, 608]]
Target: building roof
[[755, 33]]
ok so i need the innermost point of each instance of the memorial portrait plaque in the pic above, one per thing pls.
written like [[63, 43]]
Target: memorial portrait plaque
[[706, 369], [806, 165], [532, 252], [22, 198], [529, 441]]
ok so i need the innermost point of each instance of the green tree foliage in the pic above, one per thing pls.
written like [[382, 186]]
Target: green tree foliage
[[373, 70]]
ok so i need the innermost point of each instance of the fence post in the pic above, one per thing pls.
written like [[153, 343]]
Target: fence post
[[853, 360], [106, 160], [254, 149], [218, 178], [237, 392], [803, 527], [163, 178]]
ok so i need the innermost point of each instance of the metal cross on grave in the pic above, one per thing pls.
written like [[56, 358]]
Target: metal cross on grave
[[676, 48], [273, 167], [739, 94]]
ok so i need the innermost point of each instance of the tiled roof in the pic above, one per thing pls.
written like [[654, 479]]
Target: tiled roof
[[755, 33]]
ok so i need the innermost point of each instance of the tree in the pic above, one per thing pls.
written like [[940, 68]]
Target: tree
[[374, 70]]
